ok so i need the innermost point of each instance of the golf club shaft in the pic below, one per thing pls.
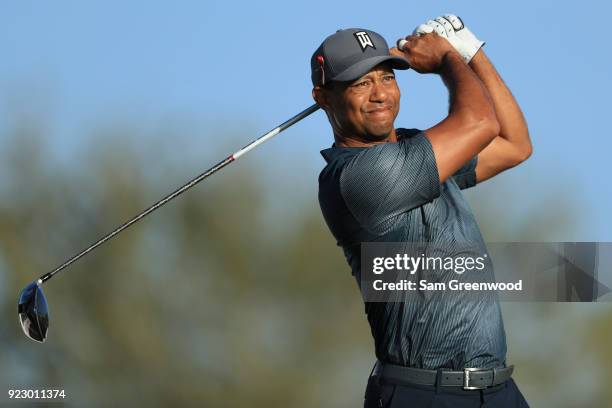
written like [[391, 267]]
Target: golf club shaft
[[184, 188]]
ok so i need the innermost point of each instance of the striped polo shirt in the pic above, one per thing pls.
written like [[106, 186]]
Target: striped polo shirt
[[391, 192]]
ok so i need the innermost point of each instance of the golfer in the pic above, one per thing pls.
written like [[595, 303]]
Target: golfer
[[388, 184]]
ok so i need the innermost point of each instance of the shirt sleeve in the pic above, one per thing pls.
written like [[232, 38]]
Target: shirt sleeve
[[386, 180], [465, 177]]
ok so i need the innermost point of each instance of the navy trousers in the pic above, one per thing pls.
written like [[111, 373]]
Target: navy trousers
[[382, 395]]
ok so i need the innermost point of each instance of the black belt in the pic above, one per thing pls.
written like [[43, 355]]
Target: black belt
[[468, 378]]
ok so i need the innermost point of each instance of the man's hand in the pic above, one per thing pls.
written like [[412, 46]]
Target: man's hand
[[425, 53], [452, 28]]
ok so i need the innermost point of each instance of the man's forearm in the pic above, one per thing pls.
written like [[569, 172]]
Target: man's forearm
[[467, 93], [513, 126], [471, 123]]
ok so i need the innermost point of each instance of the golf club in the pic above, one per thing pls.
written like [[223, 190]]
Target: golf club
[[32, 306]]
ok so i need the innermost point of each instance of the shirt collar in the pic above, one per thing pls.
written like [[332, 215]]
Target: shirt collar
[[333, 152]]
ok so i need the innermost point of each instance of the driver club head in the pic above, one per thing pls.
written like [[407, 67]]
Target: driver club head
[[33, 312]]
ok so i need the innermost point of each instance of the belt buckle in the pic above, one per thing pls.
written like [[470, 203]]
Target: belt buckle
[[466, 379]]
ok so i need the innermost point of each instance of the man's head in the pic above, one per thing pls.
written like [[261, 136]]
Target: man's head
[[352, 75]]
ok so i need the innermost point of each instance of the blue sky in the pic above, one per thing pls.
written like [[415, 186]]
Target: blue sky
[[245, 66]]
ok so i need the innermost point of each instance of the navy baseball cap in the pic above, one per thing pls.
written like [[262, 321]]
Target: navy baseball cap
[[349, 54]]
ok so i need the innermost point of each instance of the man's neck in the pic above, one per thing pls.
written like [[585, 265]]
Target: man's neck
[[357, 142]]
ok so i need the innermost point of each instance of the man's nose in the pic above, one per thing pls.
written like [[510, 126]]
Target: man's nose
[[378, 93]]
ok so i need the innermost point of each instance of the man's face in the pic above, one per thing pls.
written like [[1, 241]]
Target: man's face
[[364, 109]]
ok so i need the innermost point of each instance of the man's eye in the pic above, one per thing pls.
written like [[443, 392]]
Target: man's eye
[[361, 84], [389, 78]]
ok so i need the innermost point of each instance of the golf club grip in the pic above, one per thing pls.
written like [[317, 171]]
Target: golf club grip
[[182, 189]]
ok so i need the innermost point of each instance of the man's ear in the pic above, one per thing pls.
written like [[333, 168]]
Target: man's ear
[[319, 94]]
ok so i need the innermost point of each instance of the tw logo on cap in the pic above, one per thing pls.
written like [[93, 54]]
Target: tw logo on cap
[[364, 40]]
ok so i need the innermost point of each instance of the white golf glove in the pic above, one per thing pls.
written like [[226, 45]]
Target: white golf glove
[[452, 28]]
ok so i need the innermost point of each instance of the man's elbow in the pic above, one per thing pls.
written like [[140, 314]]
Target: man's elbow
[[521, 153], [525, 149], [526, 152]]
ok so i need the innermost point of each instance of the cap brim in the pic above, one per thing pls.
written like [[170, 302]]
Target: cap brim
[[363, 67]]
